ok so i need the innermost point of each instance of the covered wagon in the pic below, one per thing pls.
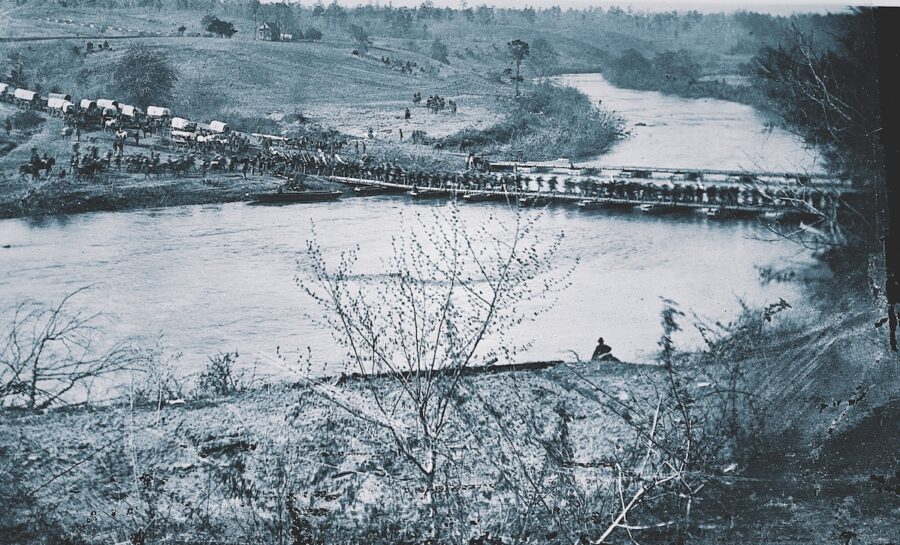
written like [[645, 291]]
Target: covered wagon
[[108, 104], [63, 96], [157, 111], [86, 104], [182, 137], [59, 105], [130, 111], [269, 137], [214, 137], [25, 96], [218, 127], [182, 124]]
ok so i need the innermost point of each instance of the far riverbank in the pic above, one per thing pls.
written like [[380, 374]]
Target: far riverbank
[[51, 197]]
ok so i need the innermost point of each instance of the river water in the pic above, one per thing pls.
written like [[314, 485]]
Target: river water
[[692, 133], [221, 277]]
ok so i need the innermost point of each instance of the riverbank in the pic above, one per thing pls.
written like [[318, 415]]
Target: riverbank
[[547, 122], [277, 461], [197, 458], [131, 192]]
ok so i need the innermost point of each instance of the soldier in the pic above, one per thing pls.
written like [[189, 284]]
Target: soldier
[[602, 352], [48, 164]]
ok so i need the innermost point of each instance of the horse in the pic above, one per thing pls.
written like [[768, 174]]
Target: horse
[[87, 170], [31, 169]]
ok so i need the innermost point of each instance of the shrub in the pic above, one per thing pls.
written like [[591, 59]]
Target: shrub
[[144, 75], [313, 33], [439, 51], [222, 377], [26, 119], [156, 382], [218, 377], [548, 122]]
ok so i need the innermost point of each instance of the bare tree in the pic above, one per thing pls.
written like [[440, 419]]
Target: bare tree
[[51, 350], [451, 293], [670, 443], [518, 51]]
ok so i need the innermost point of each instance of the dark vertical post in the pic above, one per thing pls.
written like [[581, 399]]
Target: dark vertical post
[[887, 23]]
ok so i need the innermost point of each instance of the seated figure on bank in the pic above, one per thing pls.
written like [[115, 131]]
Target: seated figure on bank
[[603, 352]]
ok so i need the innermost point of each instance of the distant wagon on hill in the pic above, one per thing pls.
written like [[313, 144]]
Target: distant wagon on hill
[[270, 138], [130, 111], [158, 112], [60, 105], [108, 104], [218, 127], [180, 137], [182, 124], [27, 98]]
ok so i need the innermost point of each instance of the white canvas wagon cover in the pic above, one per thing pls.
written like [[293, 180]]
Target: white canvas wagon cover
[[107, 103], [157, 111], [59, 104], [129, 111], [25, 94], [218, 126], [180, 123]]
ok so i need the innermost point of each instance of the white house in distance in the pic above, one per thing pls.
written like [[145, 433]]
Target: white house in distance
[[268, 31], [271, 32]]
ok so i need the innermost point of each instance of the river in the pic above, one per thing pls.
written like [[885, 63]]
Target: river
[[692, 133], [221, 277]]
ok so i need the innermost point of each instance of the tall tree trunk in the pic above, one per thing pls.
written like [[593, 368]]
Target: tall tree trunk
[[518, 64]]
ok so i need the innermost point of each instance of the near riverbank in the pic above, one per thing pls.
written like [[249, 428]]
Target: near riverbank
[[273, 462]]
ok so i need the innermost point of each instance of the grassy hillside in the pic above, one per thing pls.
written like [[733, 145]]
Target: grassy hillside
[[245, 79]]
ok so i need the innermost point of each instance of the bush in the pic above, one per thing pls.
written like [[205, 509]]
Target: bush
[[439, 51], [26, 120], [222, 377], [313, 33], [144, 76], [156, 382], [218, 377], [548, 122]]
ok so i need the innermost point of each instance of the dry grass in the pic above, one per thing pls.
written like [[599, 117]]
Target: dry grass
[[216, 466]]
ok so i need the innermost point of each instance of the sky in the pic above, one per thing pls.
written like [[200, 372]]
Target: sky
[[766, 6]]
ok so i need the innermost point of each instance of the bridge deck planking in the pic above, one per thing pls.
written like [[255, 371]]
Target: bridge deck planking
[[674, 170], [556, 196]]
